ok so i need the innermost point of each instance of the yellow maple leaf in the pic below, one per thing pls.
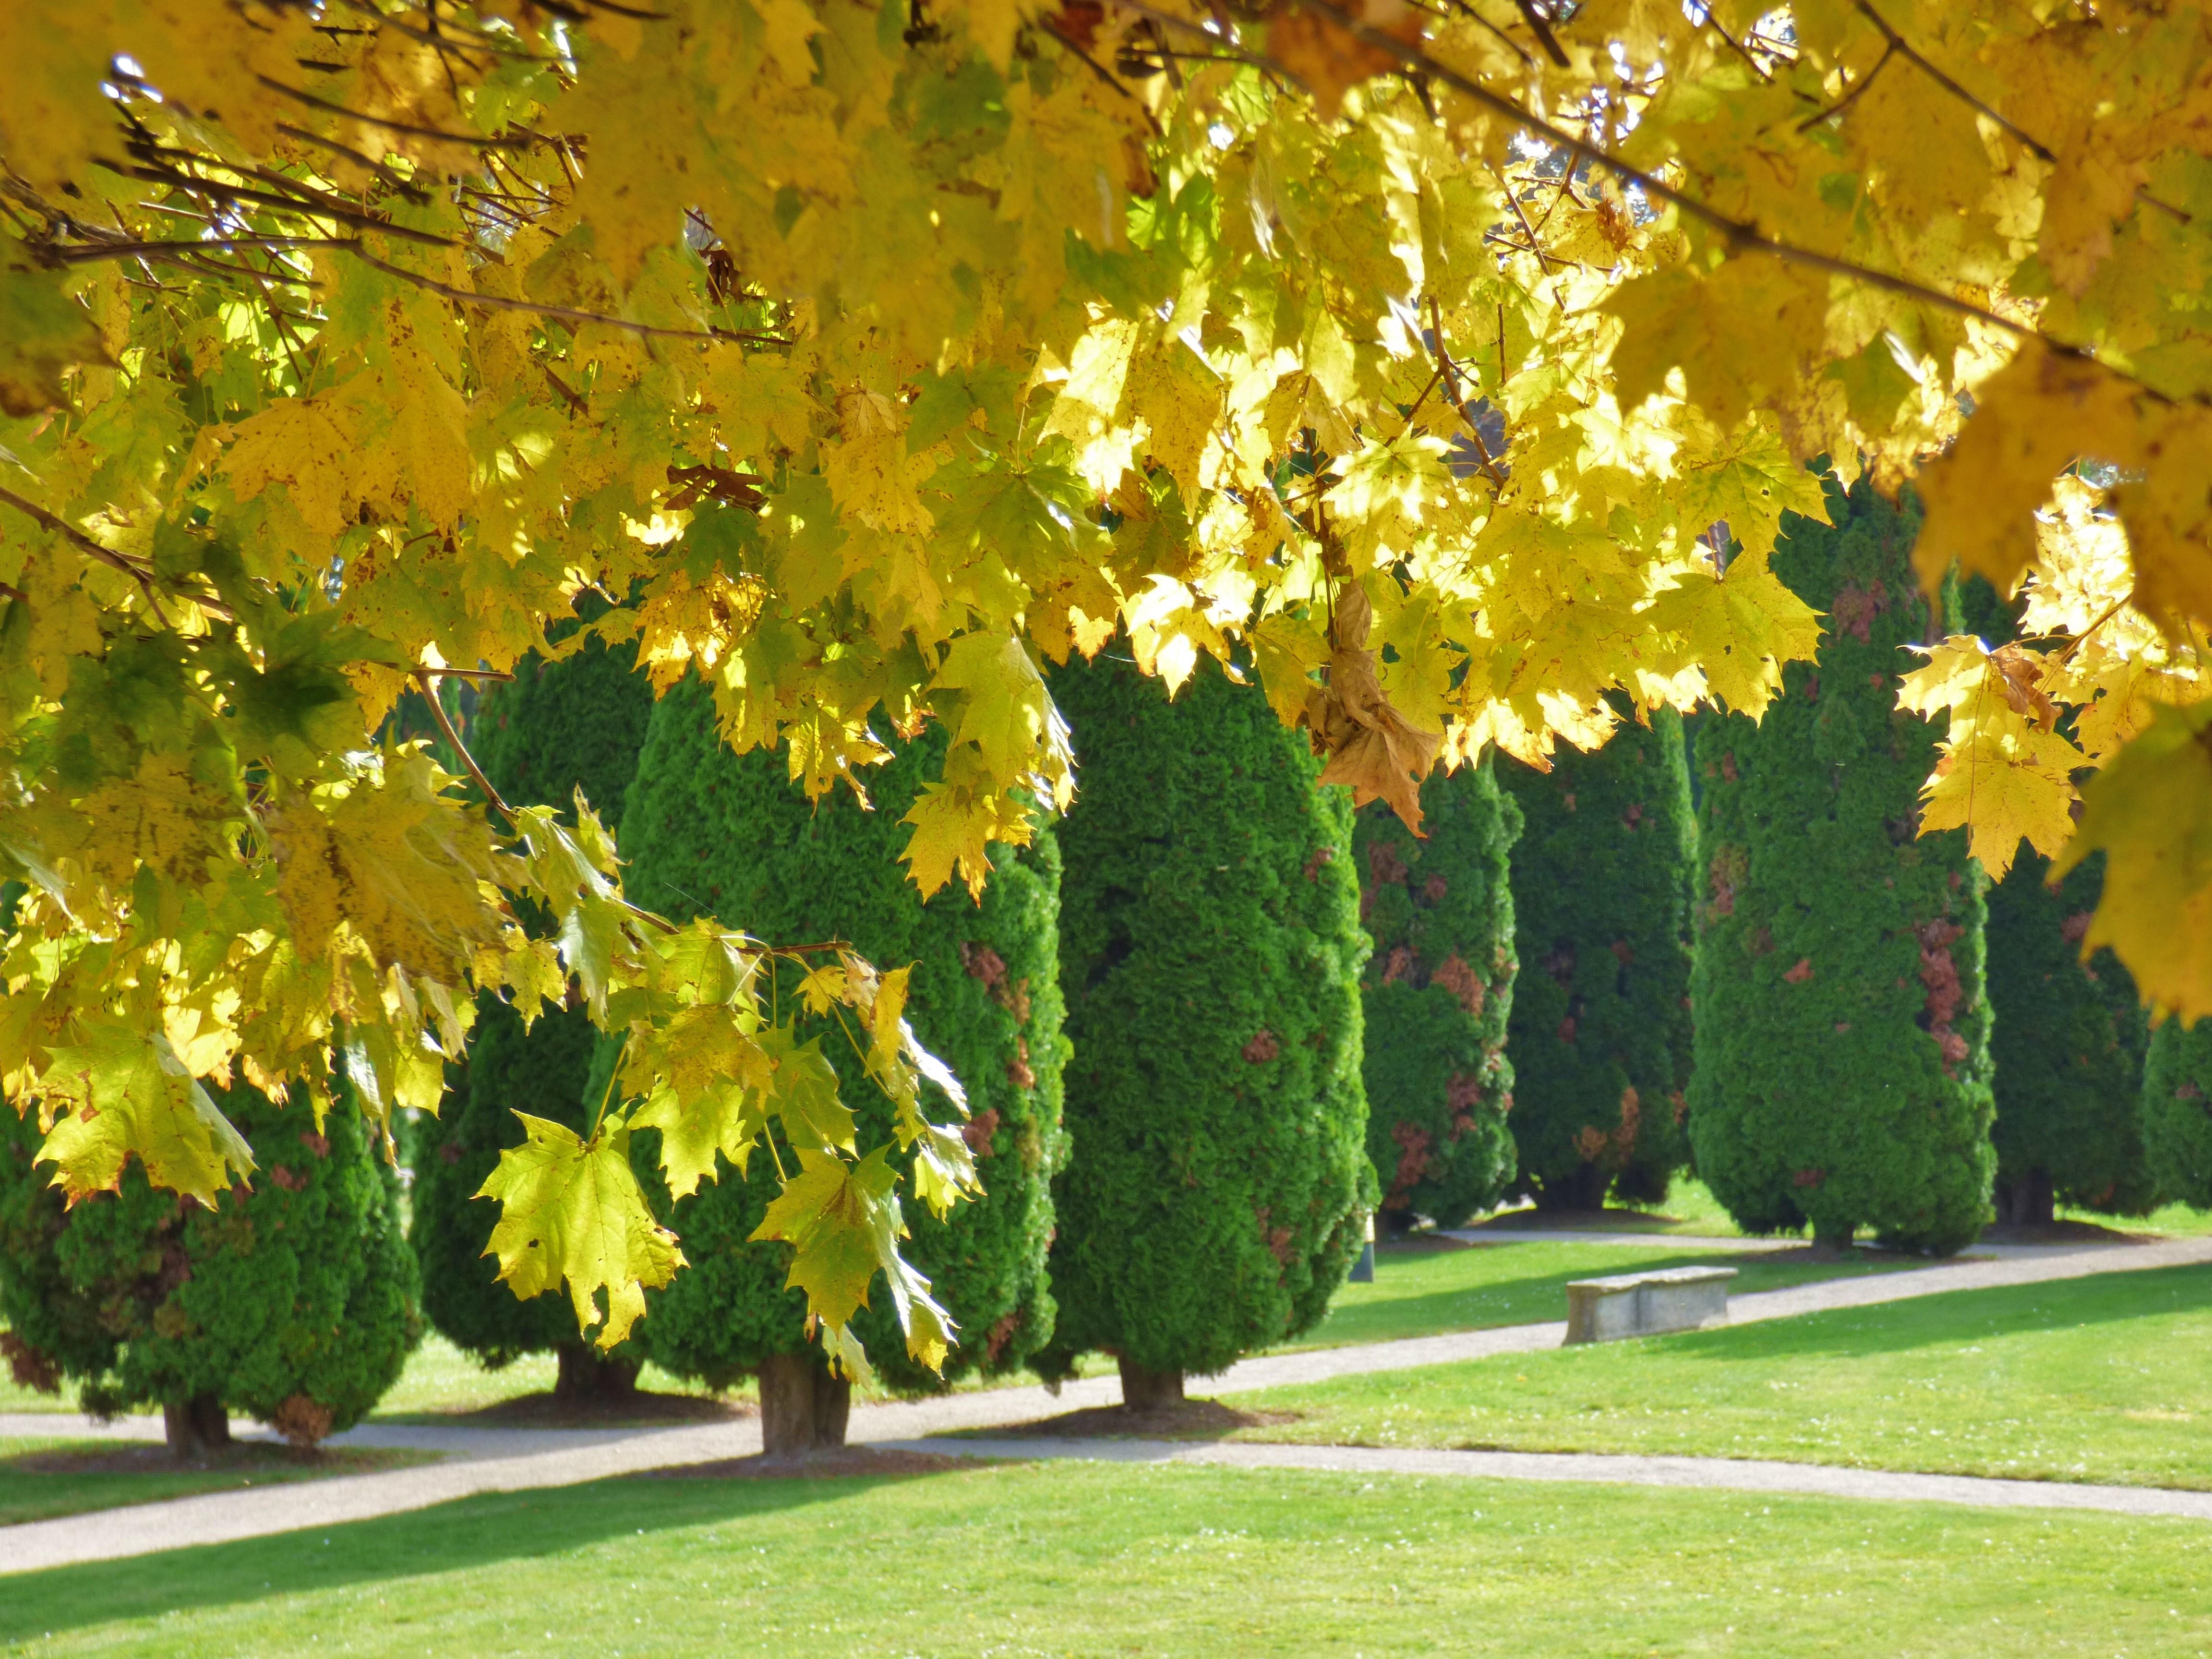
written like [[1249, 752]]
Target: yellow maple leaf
[[2002, 780], [2032, 418], [1740, 628], [571, 1211], [2150, 812], [119, 1091], [306, 445]]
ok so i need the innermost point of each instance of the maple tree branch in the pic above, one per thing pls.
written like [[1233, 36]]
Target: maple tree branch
[[320, 208], [1542, 25], [1851, 94], [76, 538], [564, 313], [568, 393], [8, 591], [426, 679], [1445, 367], [1740, 236], [470, 673], [1067, 38], [1898, 43], [1517, 49], [1709, 21], [468, 139], [414, 192]]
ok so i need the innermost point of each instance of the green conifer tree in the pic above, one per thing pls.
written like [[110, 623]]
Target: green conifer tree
[[1842, 1073], [1436, 992], [1603, 881], [1211, 953], [2068, 1047], [556, 728], [707, 830], [2177, 1111], [294, 1302]]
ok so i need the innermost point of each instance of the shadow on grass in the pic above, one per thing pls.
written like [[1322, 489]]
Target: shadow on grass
[[473, 1532], [1956, 1316]]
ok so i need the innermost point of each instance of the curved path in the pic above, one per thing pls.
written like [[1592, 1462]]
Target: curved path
[[1727, 1473], [506, 1460]]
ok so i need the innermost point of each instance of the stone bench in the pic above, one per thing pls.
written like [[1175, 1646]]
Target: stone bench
[[1644, 1304]]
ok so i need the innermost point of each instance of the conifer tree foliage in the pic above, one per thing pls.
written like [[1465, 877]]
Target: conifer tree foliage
[[1842, 1074], [709, 831], [2067, 1045], [1604, 877], [1210, 949], [2177, 1110], [1435, 994], [558, 727], [293, 1302]]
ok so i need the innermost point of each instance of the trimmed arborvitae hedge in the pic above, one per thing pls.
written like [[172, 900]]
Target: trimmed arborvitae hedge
[[2177, 1111], [1603, 881], [2068, 1049], [1211, 951], [1842, 1071], [294, 1302], [1436, 992], [708, 829], [556, 727]]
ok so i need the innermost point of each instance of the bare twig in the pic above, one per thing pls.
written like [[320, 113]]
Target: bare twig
[[470, 673], [426, 679], [563, 314], [467, 139], [76, 538], [1445, 367], [1851, 95], [1067, 39], [319, 207], [1542, 25], [9, 592], [414, 192], [1898, 43]]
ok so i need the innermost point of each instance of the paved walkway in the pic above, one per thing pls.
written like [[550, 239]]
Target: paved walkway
[[1725, 1473], [506, 1460]]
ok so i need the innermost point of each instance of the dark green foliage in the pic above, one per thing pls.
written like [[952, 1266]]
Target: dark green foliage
[[1604, 878], [2067, 1045], [1211, 951], [556, 727], [707, 829], [1842, 1049], [2177, 1110], [1436, 992], [295, 1303]]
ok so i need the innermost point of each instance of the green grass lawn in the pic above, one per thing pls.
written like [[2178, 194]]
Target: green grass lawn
[[2094, 1379], [1420, 1292], [1097, 1559], [40, 1479], [439, 1379], [1691, 1209]]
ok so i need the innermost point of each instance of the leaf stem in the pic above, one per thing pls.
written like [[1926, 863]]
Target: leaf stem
[[426, 677]]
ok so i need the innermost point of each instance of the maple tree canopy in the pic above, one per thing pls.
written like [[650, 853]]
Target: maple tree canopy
[[1445, 368]]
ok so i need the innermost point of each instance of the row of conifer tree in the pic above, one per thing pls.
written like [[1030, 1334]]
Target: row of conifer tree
[[1209, 1023]]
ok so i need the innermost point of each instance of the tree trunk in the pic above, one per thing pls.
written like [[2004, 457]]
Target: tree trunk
[[1145, 1390], [2027, 1201], [803, 1407], [586, 1374], [196, 1425], [1582, 1190], [1832, 1246]]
